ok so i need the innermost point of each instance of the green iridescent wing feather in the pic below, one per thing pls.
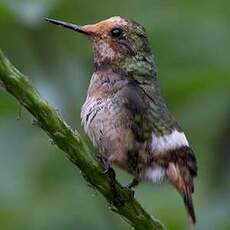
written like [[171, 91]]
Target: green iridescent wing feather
[[157, 117]]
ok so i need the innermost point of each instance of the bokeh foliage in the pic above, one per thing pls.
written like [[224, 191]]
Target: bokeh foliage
[[39, 188]]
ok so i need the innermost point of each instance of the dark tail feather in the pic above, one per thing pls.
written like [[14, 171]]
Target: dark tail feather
[[189, 206], [182, 179]]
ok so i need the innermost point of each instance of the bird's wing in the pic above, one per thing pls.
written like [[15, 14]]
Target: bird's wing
[[146, 109], [169, 144], [152, 122], [166, 134], [157, 115]]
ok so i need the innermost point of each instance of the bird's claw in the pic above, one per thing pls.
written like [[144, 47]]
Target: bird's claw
[[107, 168], [105, 162], [130, 191], [131, 185]]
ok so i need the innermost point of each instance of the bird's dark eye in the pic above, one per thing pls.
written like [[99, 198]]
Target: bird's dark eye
[[116, 32]]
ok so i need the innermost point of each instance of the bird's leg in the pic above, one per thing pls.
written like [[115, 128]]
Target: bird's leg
[[107, 168], [111, 173], [104, 160], [133, 183]]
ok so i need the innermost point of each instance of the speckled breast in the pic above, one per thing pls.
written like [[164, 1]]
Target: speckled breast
[[103, 114]]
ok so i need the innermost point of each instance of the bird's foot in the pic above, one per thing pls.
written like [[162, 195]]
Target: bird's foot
[[105, 162], [131, 185], [131, 192], [107, 168]]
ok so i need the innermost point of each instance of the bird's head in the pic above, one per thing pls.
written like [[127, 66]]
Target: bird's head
[[118, 43]]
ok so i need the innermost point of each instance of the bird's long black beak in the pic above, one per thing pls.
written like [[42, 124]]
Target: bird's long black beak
[[68, 25]]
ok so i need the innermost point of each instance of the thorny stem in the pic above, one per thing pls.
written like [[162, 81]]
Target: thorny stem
[[78, 152]]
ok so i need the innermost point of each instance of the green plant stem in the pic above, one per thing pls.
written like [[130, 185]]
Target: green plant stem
[[79, 153]]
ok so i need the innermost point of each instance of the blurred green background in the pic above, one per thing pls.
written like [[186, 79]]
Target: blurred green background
[[39, 188]]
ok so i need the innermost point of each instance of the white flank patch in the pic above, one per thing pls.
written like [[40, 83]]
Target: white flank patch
[[169, 141], [155, 174]]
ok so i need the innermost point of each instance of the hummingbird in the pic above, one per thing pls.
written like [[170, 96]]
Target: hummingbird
[[124, 113]]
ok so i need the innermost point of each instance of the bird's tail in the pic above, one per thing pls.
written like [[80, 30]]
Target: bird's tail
[[187, 196], [180, 177]]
